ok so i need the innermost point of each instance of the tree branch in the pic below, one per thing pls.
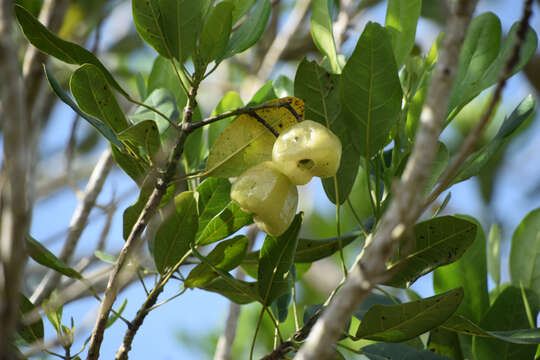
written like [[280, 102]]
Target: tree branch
[[370, 268], [16, 185], [77, 224], [133, 241], [280, 42], [51, 15]]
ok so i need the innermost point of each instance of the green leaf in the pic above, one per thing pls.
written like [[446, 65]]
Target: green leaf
[[94, 96], [472, 267], [241, 8], [283, 86], [215, 33], [164, 101], [169, 26], [143, 135], [132, 213], [494, 253], [479, 50], [226, 256], [401, 20], [102, 128], [481, 69], [227, 222], [264, 94], [230, 101], [249, 32], [322, 34], [444, 342], [177, 232], [439, 166], [462, 325], [371, 300], [506, 313], [320, 92], [163, 75], [66, 51], [385, 351], [438, 241], [107, 258], [53, 311], [280, 306], [308, 251], [33, 6], [135, 168], [275, 260], [33, 332], [396, 323], [371, 91], [195, 149], [214, 196], [41, 255], [238, 291], [475, 162], [524, 260], [115, 316]]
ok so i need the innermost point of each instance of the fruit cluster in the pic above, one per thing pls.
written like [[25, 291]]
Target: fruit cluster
[[268, 190]]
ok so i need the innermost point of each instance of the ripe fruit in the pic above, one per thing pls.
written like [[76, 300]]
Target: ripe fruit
[[305, 150], [265, 192]]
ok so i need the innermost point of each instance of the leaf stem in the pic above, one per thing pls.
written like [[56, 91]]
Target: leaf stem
[[370, 190], [151, 108], [148, 305], [275, 322], [358, 220], [259, 322], [173, 64], [295, 310], [338, 228]]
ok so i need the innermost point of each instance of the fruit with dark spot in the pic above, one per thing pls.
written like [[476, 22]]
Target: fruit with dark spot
[[305, 150]]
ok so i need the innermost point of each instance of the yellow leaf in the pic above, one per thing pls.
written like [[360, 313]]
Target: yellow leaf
[[246, 142]]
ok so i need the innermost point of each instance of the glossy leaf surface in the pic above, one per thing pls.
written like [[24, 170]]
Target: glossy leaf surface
[[275, 260], [438, 241], [401, 322], [371, 91], [471, 266], [225, 256]]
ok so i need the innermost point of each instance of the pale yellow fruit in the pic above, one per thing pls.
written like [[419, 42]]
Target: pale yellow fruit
[[305, 150], [265, 192]]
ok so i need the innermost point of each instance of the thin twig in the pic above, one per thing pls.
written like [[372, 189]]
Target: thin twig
[[244, 110], [122, 353], [370, 268], [52, 16], [280, 42], [78, 223], [16, 192]]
